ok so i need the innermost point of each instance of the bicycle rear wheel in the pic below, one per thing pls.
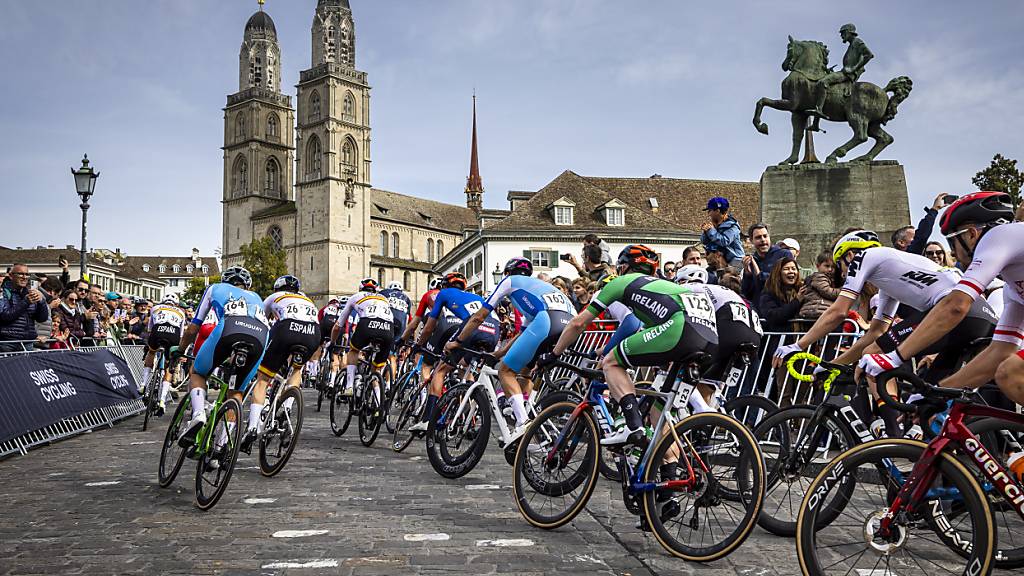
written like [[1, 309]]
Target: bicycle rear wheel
[[370, 413], [857, 544], [213, 472], [171, 455], [282, 434], [152, 391], [712, 512], [408, 415], [340, 416], [457, 439], [397, 396], [751, 409]]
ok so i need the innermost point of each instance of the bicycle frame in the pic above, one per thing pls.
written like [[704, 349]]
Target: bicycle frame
[[204, 439], [484, 380]]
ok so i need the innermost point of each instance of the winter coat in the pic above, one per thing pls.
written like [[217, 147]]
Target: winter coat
[[753, 284], [72, 320], [724, 238], [777, 314], [820, 295], [18, 316]]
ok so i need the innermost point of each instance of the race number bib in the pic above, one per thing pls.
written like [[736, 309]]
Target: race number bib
[[740, 313], [473, 307], [398, 304], [300, 310], [168, 317], [557, 302], [699, 308], [236, 307]]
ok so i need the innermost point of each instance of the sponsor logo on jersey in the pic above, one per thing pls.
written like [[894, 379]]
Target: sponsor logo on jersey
[[657, 331], [921, 277], [378, 325], [656, 308], [302, 327], [167, 328]]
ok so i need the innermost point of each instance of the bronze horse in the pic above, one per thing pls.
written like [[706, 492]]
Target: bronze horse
[[863, 105]]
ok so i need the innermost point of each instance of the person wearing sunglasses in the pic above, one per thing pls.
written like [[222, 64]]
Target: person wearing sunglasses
[[70, 319], [936, 253], [20, 308]]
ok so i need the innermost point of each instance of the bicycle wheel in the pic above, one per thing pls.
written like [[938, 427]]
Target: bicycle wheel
[[214, 469], [457, 438], [397, 396], [857, 544], [409, 415], [172, 455], [750, 409], [282, 434], [695, 520], [370, 412], [785, 439], [555, 471], [340, 417]]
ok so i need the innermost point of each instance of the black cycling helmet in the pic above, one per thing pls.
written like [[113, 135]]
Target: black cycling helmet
[[519, 266], [288, 283], [985, 209], [368, 285], [238, 276], [639, 258], [455, 280]]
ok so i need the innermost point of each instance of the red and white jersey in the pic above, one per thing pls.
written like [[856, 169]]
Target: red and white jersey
[[1000, 252], [290, 306], [901, 278], [722, 297]]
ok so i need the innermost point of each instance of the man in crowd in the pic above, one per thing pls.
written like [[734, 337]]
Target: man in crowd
[[722, 232], [758, 265], [594, 265], [593, 240], [20, 308], [909, 239]]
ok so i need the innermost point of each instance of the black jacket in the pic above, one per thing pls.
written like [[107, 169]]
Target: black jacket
[[18, 316], [753, 284], [777, 314], [923, 232]]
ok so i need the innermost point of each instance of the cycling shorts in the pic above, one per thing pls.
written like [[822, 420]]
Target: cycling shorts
[[484, 339], [374, 330], [230, 331], [447, 328], [204, 332], [163, 336], [538, 337], [285, 335], [399, 326], [731, 333], [661, 344], [327, 325]]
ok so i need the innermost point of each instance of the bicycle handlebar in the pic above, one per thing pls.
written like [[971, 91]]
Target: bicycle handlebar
[[913, 383], [834, 370]]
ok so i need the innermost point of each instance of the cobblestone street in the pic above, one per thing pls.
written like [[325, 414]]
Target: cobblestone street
[[91, 505]]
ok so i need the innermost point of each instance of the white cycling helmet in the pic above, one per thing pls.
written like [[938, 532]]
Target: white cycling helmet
[[396, 286], [692, 273], [171, 299], [435, 283]]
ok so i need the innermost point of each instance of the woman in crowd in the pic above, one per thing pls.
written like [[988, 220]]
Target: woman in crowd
[[581, 294], [782, 296], [937, 253], [68, 315]]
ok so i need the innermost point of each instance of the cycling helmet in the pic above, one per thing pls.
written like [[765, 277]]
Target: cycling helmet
[[368, 285], [455, 280], [519, 266], [238, 276], [332, 301], [639, 258], [858, 240], [287, 282], [982, 208], [342, 300], [692, 273], [396, 286], [435, 284], [604, 280], [171, 299]]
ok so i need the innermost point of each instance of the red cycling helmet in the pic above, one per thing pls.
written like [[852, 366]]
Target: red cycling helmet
[[455, 280], [981, 208]]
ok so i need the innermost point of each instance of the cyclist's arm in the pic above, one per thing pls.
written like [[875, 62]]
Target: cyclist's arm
[[827, 322], [982, 368], [343, 317], [411, 328], [627, 327], [576, 327], [942, 318], [204, 307], [877, 328], [428, 329], [189, 336]]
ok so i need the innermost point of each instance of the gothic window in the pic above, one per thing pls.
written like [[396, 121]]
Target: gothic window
[[383, 243], [272, 127], [332, 44], [407, 281], [257, 71], [440, 249], [314, 106], [272, 181], [276, 236], [240, 176], [240, 126], [380, 276], [313, 157], [430, 250], [348, 155], [394, 244], [349, 107]]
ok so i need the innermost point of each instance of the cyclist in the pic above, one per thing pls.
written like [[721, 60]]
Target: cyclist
[[985, 239], [400, 305], [424, 306], [677, 320], [374, 325], [545, 310], [295, 324], [166, 320], [240, 319], [901, 278], [336, 341], [327, 316], [454, 300]]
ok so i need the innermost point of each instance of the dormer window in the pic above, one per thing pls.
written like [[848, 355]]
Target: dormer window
[[206, 269], [176, 269], [562, 211], [189, 268], [163, 268], [145, 267], [614, 212]]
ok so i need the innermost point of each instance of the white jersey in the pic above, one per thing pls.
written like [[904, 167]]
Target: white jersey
[[1000, 252], [724, 298], [618, 311], [901, 278], [165, 314], [290, 306], [366, 305]]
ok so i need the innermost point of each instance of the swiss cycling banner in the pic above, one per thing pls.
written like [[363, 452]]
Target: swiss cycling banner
[[39, 389]]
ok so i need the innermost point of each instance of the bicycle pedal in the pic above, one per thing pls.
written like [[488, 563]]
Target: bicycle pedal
[[670, 510]]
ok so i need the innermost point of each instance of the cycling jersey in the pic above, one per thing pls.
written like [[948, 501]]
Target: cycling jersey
[[426, 302], [736, 323], [367, 305], [297, 326], [374, 325], [901, 278], [240, 319], [545, 310], [400, 306], [164, 327], [290, 306], [328, 315], [666, 310], [1000, 252], [463, 305]]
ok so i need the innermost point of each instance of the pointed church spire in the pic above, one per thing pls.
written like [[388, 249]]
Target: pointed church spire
[[474, 184]]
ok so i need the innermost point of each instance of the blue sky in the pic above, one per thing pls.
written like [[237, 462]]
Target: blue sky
[[601, 87]]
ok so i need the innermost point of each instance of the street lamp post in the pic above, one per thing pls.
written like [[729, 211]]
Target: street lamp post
[[496, 274], [85, 185]]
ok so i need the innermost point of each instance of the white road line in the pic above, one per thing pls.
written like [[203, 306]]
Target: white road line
[[437, 537], [503, 543], [144, 442], [483, 487], [308, 564], [298, 533], [260, 500], [103, 483]]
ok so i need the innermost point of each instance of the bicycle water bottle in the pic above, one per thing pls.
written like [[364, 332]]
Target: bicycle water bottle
[[1016, 465]]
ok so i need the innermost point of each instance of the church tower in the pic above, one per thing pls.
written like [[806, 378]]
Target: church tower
[[258, 140], [333, 159], [474, 183]]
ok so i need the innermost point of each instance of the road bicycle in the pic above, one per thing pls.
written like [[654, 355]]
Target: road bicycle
[[402, 386], [913, 506], [216, 444], [698, 482], [280, 420], [152, 390], [365, 400]]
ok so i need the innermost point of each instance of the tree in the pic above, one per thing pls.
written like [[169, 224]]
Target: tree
[[1001, 176], [195, 288], [265, 262]]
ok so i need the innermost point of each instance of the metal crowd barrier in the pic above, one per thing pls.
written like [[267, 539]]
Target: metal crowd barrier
[[133, 355]]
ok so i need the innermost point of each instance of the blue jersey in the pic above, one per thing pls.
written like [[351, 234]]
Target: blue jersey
[[459, 302], [228, 300], [530, 296], [400, 305]]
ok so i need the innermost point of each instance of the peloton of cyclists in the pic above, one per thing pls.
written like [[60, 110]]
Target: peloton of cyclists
[[166, 321], [374, 326]]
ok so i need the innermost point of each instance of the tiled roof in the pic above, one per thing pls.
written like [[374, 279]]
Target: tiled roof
[[377, 260], [420, 212], [49, 257], [285, 207]]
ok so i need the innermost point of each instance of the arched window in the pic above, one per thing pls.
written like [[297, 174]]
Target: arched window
[[349, 107], [240, 126], [440, 249], [348, 155], [314, 106], [272, 127], [332, 44], [383, 243], [313, 157], [407, 280], [272, 180], [163, 269], [240, 176], [189, 268], [277, 236], [176, 269], [380, 276], [206, 269], [430, 250], [394, 244], [145, 267]]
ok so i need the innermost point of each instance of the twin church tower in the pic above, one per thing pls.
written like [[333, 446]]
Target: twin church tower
[[302, 175]]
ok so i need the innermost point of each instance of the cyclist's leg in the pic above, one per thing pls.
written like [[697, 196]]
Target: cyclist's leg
[[147, 366], [523, 353]]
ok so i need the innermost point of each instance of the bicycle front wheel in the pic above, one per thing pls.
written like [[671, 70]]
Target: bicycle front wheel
[[398, 393], [282, 433], [215, 467], [370, 412], [171, 454], [457, 439], [710, 487], [340, 417], [859, 542]]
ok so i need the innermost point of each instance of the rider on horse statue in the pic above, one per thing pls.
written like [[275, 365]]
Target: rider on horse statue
[[856, 57]]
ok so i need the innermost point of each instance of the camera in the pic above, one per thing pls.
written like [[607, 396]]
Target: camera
[[564, 257], [949, 199]]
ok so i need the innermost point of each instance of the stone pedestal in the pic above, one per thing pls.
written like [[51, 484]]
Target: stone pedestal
[[815, 203]]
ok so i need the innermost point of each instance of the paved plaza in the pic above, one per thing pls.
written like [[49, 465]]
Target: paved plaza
[[91, 505]]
